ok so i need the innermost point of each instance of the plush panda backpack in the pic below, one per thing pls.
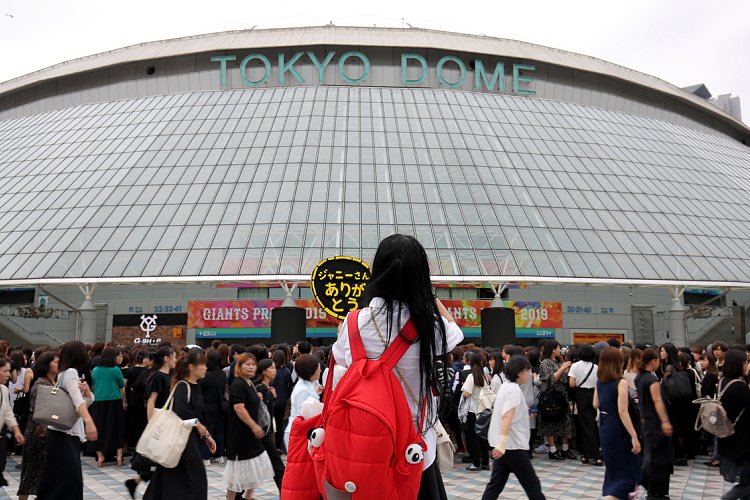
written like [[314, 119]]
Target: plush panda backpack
[[368, 446]]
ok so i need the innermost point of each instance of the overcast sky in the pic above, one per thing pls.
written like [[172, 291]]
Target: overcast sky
[[679, 41]]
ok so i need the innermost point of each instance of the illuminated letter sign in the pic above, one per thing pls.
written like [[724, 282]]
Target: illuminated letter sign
[[338, 284]]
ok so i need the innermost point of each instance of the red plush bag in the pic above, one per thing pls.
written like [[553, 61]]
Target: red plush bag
[[368, 446]]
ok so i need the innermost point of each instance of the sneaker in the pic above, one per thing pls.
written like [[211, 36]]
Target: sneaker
[[206, 463], [543, 448], [473, 468], [219, 460]]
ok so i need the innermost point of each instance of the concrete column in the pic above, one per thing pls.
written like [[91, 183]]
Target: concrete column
[[676, 325], [88, 316]]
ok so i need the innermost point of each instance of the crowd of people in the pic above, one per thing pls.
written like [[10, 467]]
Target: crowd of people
[[628, 408], [619, 411]]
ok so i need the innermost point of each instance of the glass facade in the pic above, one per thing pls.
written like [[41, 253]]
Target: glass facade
[[270, 181]]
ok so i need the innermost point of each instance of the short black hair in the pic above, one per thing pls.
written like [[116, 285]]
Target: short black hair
[[237, 349], [515, 365], [586, 352], [304, 347], [305, 366], [614, 342], [42, 363], [513, 350], [734, 364], [72, 355], [212, 361], [109, 357], [720, 345]]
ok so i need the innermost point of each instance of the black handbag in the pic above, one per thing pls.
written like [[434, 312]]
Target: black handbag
[[678, 386], [553, 406], [482, 425]]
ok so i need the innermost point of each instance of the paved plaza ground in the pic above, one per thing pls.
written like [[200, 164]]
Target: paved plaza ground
[[566, 479]]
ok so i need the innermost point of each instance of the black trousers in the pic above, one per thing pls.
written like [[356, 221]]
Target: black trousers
[[278, 416], [479, 448], [588, 441], [517, 462], [62, 475], [657, 460], [269, 443]]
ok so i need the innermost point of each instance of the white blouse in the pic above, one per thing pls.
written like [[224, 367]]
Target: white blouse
[[408, 364], [69, 381]]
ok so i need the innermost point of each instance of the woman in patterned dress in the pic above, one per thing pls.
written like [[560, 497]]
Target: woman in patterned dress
[[35, 447], [554, 377]]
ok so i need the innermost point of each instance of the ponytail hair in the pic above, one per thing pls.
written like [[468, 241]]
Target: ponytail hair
[[195, 357]]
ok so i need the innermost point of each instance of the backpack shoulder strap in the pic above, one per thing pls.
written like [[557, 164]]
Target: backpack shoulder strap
[[355, 340], [400, 344]]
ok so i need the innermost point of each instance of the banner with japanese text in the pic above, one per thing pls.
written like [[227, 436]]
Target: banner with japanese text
[[227, 314]]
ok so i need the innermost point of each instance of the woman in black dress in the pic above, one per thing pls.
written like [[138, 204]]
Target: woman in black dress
[[135, 385], [35, 444], [155, 394], [734, 451], [188, 480], [657, 429], [214, 387], [263, 383], [554, 377], [248, 465]]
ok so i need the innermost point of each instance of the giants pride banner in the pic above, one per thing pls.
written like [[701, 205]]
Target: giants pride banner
[[230, 314]]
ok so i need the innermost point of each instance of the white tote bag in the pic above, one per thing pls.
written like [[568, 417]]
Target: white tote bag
[[165, 436]]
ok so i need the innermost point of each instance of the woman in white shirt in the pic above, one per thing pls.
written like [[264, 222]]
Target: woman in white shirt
[[509, 434], [399, 290], [582, 377], [479, 449], [62, 476], [6, 414], [307, 367]]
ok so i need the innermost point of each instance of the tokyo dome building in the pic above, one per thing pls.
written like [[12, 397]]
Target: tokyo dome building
[[213, 173]]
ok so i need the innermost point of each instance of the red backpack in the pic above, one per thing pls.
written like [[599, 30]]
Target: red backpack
[[368, 446]]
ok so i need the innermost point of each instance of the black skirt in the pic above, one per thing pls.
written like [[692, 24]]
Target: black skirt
[[62, 476], [109, 417], [431, 487]]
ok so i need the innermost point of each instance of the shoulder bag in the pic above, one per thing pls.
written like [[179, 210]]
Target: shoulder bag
[[53, 406], [165, 436]]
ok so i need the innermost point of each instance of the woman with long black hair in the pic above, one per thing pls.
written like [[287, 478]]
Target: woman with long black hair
[[479, 448], [735, 398], [155, 394], [62, 476], [399, 290], [188, 479], [680, 405]]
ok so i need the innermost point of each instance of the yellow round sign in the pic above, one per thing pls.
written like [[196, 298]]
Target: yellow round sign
[[338, 284]]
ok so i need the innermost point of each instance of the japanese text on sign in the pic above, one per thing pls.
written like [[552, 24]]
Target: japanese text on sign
[[338, 284]]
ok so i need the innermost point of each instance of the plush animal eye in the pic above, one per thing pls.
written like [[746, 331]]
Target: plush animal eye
[[414, 454], [317, 436]]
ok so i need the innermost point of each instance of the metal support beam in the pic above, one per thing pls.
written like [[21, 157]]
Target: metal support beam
[[87, 331], [289, 290], [676, 326]]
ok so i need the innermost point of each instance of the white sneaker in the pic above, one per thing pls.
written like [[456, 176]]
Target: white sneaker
[[219, 460], [542, 448], [206, 463]]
